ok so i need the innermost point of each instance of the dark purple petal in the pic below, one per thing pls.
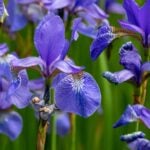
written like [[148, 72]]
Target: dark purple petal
[[62, 124], [128, 116], [130, 58], [18, 92], [3, 49], [118, 77], [132, 11], [49, 38], [78, 94], [56, 4], [11, 124], [67, 67], [16, 20], [103, 39], [132, 27]]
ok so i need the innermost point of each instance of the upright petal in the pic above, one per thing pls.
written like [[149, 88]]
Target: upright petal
[[132, 11], [11, 124], [78, 94], [49, 38]]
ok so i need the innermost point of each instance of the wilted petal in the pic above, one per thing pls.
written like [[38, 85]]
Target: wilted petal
[[67, 67], [118, 77], [128, 116], [62, 124], [3, 49], [18, 92], [103, 39], [130, 58], [78, 94], [10, 124], [49, 38]]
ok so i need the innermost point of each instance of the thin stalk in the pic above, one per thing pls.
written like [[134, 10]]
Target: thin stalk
[[53, 125], [73, 131]]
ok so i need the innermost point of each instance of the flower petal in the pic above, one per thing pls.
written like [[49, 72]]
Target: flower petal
[[103, 39], [128, 116], [78, 94], [11, 124], [62, 124], [118, 77], [49, 38], [146, 67], [67, 67], [3, 49]]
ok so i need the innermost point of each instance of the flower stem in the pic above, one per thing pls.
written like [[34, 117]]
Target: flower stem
[[53, 125], [73, 131]]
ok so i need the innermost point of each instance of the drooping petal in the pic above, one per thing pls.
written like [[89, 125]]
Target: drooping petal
[[128, 116], [3, 49], [104, 38], [10, 124], [29, 62], [78, 94], [118, 77], [67, 67], [49, 38], [62, 124], [132, 27], [18, 92], [16, 20], [130, 58], [132, 114]]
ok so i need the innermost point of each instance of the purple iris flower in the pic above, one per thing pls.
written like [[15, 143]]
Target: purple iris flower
[[137, 19], [136, 141], [52, 48], [77, 93], [133, 66], [12, 87], [16, 20], [134, 113]]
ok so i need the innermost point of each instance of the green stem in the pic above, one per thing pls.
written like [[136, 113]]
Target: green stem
[[53, 125], [73, 131]]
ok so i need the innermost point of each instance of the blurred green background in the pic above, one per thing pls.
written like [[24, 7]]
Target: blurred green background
[[95, 132]]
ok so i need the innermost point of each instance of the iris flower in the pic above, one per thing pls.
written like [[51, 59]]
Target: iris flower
[[12, 87], [136, 141], [133, 66], [137, 19]]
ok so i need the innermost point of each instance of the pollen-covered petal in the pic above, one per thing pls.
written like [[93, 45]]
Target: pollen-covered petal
[[118, 77], [78, 94], [103, 39], [49, 38], [10, 124]]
